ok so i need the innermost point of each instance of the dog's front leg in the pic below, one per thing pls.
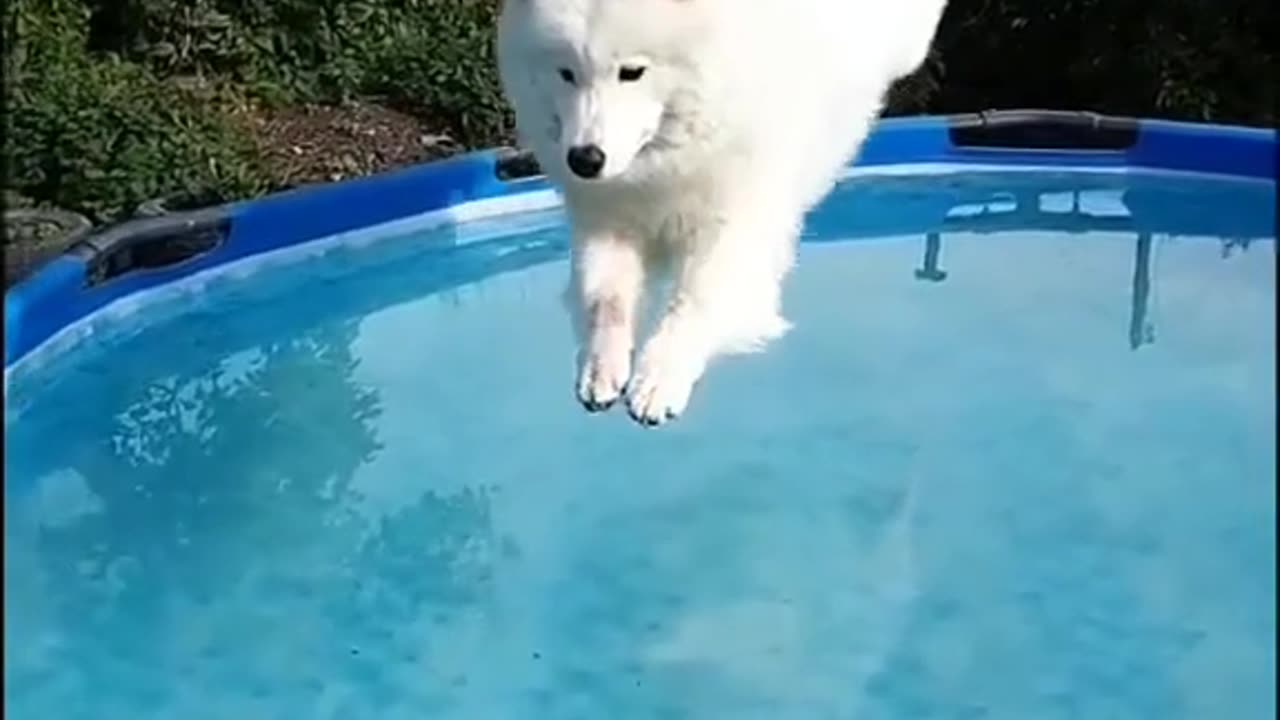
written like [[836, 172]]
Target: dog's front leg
[[726, 299], [606, 282]]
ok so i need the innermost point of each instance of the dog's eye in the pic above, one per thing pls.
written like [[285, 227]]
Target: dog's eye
[[567, 75], [631, 73]]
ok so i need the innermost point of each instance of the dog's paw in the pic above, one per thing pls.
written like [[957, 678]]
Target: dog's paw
[[659, 390], [602, 375]]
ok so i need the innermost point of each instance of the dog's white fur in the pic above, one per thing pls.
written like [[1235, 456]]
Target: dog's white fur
[[743, 116]]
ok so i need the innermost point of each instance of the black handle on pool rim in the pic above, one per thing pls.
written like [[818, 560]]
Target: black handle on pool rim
[[151, 243], [516, 164], [1043, 130]]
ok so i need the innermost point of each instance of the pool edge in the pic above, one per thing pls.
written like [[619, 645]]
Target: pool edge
[[51, 304]]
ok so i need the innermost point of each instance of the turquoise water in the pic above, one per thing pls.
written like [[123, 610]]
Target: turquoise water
[[1030, 478]]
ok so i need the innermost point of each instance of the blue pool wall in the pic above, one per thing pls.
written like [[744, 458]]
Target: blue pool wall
[[59, 294]]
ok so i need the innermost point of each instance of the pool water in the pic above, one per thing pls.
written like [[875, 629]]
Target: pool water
[[1018, 464]]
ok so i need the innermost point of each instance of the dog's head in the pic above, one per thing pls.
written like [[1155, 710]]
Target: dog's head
[[593, 81]]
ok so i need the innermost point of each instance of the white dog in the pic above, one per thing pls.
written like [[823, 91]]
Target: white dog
[[689, 139]]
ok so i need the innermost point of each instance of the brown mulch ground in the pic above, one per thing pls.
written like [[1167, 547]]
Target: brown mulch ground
[[305, 144], [300, 144]]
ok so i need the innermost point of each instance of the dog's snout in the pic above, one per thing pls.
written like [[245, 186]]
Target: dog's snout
[[586, 161]]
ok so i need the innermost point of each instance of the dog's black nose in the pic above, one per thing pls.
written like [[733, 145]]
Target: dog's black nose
[[586, 161]]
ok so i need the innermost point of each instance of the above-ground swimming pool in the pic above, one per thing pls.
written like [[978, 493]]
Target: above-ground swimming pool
[[1016, 459]]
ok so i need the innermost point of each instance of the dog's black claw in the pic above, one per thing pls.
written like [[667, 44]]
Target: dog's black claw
[[596, 407], [652, 422]]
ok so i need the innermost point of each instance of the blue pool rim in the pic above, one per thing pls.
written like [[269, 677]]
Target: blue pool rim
[[68, 290]]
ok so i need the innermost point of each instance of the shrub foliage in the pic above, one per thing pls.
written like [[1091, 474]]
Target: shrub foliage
[[1210, 60], [101, 114], [100, 135]]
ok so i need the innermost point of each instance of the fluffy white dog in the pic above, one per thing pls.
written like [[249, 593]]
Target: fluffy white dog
[[689, 139]]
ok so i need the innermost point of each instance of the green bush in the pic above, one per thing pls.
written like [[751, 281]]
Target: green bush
[[1189, 59], [1202, 60], [100, 135], [431, 57], [441, 63], [97, 118]]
